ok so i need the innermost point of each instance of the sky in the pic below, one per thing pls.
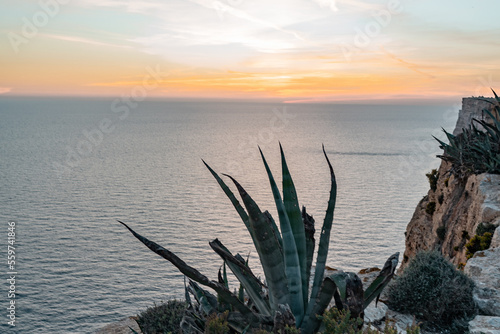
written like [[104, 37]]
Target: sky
[[293, 50]]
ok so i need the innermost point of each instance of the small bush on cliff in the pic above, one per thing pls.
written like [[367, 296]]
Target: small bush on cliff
[[430, 208], [441, 232], [478, 243], [163, 318], [433, 177], [434, 291], [483, 228], [482, 239]]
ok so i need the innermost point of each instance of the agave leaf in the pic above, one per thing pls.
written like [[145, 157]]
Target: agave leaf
[[382, 280], [248, 280], [328, 290], [441, 143], [496, 96], [207, 301], [192, 323], [133, 331], [267, 246], [354, 295], [196, 276], [224, 276], [232, 198], [275, 229], [245, 330], [310, 242], [340, 278], [495, 120], [291, 203], [236, 322], [186, 293], [292, 263], [324, 241], [449, 136], [492, 130], [219, 277]]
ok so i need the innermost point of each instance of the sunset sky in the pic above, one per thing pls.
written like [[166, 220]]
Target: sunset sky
[[293, 50]]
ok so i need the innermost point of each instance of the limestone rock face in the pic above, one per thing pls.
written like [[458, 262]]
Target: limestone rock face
[[448, 216], [484, 269], [495, 241], [485, 325], [471, 108], [460, 206]]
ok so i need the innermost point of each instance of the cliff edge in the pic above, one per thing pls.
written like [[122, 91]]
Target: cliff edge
[[447, 218]]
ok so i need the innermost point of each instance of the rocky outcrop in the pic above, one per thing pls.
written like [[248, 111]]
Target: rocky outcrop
[[447, 217], [484, 269], [484, 325], [471, 108]]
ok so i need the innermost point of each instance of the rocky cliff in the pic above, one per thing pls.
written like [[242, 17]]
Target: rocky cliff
[[447, 217]]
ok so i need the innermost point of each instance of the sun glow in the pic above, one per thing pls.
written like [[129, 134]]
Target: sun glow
[[293, 50]]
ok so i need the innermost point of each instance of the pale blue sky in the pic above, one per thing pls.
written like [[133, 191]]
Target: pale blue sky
[[436, 43]]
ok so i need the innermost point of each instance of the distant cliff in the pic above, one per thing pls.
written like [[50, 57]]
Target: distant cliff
[[449, 214]]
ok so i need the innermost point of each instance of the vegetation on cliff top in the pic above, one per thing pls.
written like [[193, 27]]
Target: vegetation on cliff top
[[477, 149]]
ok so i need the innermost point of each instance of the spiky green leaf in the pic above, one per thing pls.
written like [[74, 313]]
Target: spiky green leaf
[[291, 257], [252, 285], [382, 279], [196, 276], [324, 241], [291, 203], [267, 246]]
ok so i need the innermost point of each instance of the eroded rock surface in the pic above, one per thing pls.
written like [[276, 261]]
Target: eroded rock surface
[[484, 324], [484, 269]]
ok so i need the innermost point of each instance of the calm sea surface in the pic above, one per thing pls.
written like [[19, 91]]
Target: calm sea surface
[[69, 168]]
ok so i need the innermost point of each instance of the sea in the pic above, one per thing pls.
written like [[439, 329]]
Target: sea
[[71, 167]]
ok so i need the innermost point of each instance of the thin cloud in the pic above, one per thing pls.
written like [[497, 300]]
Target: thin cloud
[[223, 8], [411, 66], [84, 40], [4, 90]]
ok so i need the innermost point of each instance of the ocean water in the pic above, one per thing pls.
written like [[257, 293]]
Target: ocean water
[[69, 168]]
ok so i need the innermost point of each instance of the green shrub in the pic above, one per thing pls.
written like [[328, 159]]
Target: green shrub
[[288, 330], [482, 239], [217, 323], [433, 177], [478, 243], [441, 232], [483, 228], [430, 208], [431, 289], [441, 199], [340, 322], [163, 318]]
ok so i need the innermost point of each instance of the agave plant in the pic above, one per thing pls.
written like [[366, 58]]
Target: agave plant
[[286, 254], [477, 149]]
